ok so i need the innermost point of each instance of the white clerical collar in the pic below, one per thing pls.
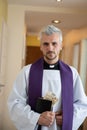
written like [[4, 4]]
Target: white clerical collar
[[51, 66]]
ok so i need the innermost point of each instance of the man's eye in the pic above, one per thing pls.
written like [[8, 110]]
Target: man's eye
[[54, 43], [45, 43]]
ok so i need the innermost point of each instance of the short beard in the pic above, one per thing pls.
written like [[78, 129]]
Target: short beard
[[48, 57]]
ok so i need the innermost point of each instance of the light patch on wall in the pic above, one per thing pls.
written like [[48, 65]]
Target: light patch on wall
[[32, 41]]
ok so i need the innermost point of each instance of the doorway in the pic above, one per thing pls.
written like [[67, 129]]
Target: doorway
[[32, 54]]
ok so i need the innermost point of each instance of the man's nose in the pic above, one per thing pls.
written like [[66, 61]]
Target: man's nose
[[50, 47]]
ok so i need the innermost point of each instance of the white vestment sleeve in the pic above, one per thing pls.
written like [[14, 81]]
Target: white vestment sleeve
[[21, 114], [80, 102]]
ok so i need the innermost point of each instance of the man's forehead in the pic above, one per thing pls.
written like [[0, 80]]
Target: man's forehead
[[53, 36]]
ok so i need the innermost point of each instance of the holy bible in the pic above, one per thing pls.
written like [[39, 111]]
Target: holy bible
[[43, 105]]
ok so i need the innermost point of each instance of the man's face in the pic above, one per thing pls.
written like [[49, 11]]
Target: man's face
[[50, 47]]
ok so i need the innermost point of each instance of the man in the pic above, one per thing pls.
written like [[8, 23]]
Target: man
[[48, 75]]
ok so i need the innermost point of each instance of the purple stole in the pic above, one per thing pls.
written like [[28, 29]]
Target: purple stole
[[35, 90]]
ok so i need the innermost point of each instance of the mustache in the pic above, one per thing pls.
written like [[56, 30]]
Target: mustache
[[49, 52]]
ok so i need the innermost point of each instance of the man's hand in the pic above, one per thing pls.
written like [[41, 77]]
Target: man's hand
[[46, 118], [59, 118]]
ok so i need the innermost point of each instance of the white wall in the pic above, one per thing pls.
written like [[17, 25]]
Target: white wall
[[83, 62], [14, 60]]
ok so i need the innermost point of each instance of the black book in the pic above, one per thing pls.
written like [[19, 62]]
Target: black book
[[43, 105]]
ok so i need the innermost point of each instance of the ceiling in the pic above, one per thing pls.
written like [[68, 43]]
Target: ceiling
[[71, 13]]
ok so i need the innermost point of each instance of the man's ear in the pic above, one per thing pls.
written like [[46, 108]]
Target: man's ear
[[61, 46], [40, 48]]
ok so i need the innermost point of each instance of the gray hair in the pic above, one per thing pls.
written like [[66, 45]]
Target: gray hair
[[49, 30]]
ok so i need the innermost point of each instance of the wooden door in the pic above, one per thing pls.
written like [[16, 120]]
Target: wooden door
[[32, 54]]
